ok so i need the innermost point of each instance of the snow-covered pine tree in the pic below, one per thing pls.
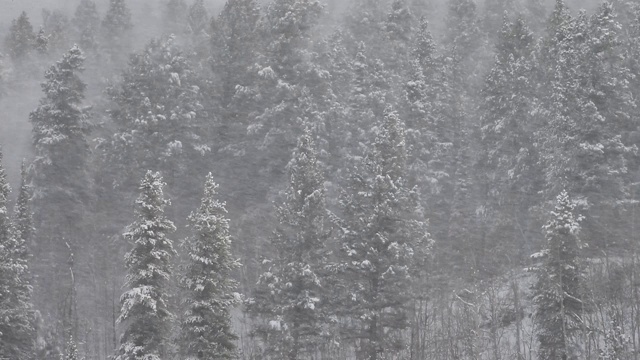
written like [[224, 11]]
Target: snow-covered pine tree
[[365, 23], [383, 236], [117, 20], [197, 18], [60, 179], [86, 23], [16, 314], [431, 113], [56, 23], [41, 42], [290, 298], [287, 29], [198, 30], [206, 331], [116, 26], [508, 166], [145, 313], [494, 12], [23, 216], [587, 108], [19, 40], [159, 116], [399, 26], [463, 36], [234, 42], [60, 125], [559, 293]]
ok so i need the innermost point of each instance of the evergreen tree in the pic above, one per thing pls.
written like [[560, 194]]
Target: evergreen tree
[[197, 18], [494, 12], [117, 20], [291, 295], [399, 26], [57, 25], [145, 309], [60, 179], [383, 237], [234, 41], [42, 42], [365, 22], [206, 327], [559, 296], [584, 145], [16, 314], [463, 37], [159, 116], [86, 23], [116, 27], [198, 31], [509, 164], [19, 41], [23, 216]]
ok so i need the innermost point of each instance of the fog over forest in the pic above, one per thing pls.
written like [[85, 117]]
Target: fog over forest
[[308, 179]]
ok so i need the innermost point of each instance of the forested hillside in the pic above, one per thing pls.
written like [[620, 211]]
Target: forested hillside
[[293, 179]]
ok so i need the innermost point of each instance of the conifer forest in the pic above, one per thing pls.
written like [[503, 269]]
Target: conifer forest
[[319, 179]]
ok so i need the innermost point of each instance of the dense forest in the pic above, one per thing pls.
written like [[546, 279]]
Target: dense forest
[[294, 179]]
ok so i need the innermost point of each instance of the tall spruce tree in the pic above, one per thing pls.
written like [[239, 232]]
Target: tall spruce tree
[[290, 298], [60, 179], [86, 23], [559, 293], [509, 163], [145, 312], [16, 313], [56, 24], [197, 18], [23, 216], [234, 41], [383, 236], [206, 331], [116, 27], [19, 40]]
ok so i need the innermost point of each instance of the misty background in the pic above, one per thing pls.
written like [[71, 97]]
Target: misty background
[[309, 129]]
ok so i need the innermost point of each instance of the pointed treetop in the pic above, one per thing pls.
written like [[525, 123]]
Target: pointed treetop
[[424, 48]]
